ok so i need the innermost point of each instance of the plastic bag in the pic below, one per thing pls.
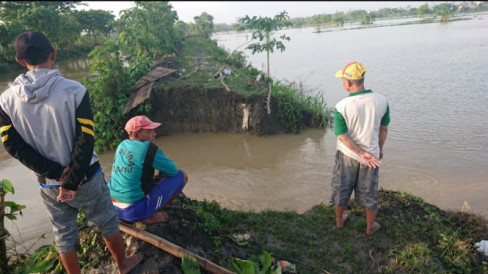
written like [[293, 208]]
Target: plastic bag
[[482, 246]]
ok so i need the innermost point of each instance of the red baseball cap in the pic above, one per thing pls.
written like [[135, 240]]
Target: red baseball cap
[[140, 122]]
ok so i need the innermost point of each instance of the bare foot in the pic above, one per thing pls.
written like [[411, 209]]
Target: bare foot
[[158, 217], [344, 219], [130, 263], [373, 229]]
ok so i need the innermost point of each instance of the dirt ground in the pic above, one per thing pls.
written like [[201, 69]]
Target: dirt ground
[[316, 246], [180, 229]]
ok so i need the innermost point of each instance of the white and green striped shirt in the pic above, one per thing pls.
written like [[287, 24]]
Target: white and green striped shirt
[[360, 115]]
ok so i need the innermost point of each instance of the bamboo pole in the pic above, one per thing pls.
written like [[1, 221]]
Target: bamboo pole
[[171, 248], [222, 81], [237, 48]]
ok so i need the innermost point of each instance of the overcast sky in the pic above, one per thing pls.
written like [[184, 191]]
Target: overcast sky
[[229, 11]]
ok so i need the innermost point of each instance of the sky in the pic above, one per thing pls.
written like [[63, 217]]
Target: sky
[[229, 11]]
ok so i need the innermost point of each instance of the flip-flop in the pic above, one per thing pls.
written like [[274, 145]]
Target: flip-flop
[[344, 219], [376, 226]]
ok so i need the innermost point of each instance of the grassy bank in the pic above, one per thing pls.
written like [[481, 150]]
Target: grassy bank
[[416, 237], [200, 63], [202, 60]]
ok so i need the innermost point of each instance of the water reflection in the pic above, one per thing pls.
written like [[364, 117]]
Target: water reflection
[[283, 172], [72, 69]]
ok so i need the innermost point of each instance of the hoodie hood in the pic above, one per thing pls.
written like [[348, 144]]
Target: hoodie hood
[[35, 85]]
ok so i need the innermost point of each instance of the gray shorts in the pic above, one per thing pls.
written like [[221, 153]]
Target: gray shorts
[[348, 175], [93, 198]]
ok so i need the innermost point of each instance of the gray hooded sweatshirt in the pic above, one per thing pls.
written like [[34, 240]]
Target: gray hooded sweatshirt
[[46, 123]]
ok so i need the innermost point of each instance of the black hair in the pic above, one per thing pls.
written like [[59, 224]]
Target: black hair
[[37, 60], [357, 82]]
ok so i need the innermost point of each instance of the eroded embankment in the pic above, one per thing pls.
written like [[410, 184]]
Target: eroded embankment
[[193, 109]]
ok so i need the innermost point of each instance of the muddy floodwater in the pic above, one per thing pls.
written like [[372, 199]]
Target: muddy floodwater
[[434, 76]]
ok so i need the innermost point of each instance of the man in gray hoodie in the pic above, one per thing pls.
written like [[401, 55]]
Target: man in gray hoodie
[[46, 122]]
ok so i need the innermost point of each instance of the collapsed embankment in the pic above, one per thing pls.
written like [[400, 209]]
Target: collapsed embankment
[[194, 109]]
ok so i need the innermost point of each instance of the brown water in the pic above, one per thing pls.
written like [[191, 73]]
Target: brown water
[[436, 147], [245, 172]]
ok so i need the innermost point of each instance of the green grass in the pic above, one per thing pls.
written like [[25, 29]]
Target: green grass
[[207, 57], [201, 59], [416, 237]]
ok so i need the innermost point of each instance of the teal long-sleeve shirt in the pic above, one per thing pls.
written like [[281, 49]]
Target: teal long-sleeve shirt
[[133, 169]]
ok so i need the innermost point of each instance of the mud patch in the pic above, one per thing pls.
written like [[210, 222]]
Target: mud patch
[[191, 109]]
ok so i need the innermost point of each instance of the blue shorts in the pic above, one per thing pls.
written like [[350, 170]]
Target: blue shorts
[[349, 175], [158, 197]]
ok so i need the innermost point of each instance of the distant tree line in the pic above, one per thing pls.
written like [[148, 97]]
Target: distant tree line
[[443, 10], [57, 19], [67, 27]]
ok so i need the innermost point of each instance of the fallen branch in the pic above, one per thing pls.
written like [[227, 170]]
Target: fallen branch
[[171, 248], [372, 258], [237, 48], [189, 74], [222, 82], [219, 72], [222, 76]]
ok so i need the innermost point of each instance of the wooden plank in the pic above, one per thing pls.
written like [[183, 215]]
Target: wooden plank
[[171, 248], [138, 97], [143, 87], [152, 76]]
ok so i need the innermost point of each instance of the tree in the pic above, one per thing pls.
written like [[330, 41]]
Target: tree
[[204, 24], [338, 19], [146, 34], [181, 28], [147, 29], [422, 10], [367, 18], [444, 11], [9, 10], [356, 15], [8, 33], [55, 19], [321, 19], [262, 29], [95, 21]]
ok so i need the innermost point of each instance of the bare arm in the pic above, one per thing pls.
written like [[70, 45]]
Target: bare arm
[[367, 157], [383, 134]]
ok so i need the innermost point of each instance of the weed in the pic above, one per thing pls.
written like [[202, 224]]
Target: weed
[[293, 104], [206, 213]]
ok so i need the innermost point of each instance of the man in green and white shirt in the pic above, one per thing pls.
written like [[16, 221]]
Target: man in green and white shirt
[[361, 126]]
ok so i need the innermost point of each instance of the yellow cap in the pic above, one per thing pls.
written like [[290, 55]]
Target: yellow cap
[[352, 71]]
